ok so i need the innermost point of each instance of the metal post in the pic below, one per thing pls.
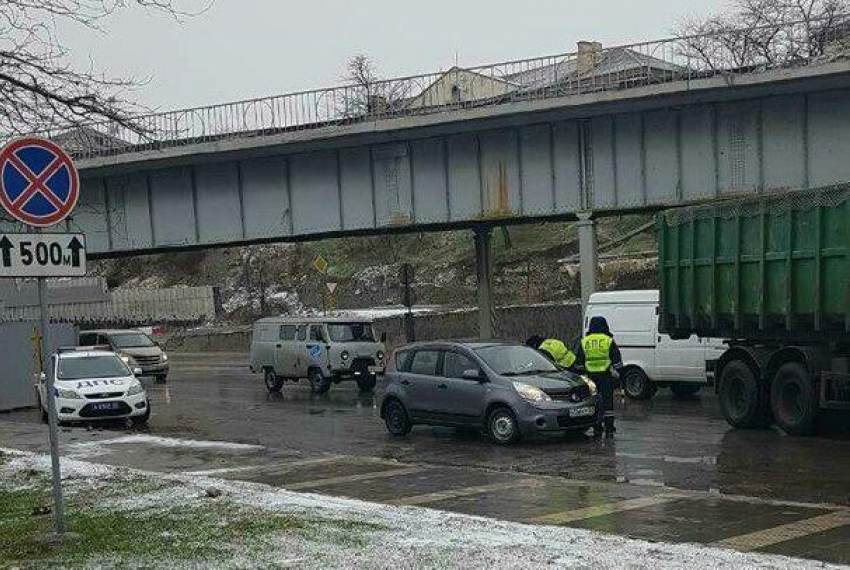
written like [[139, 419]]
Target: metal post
[[587, 255], [484, 271], [53, 431]]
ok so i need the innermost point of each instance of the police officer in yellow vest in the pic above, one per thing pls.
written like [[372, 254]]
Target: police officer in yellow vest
[[555, 350], [599, 356]]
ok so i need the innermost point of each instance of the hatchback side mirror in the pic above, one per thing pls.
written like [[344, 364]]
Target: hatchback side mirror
[[474, 375], [137, 372]]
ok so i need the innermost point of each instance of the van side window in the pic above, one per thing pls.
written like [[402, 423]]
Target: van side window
[[287, 332], [302, 332], [316, 332]]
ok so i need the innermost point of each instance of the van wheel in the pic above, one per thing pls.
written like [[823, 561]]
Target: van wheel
[[743, 401], [793, 399], [274, 383], [684, 390], [637, 385], [502, 426], [367, 383], [319, 383]]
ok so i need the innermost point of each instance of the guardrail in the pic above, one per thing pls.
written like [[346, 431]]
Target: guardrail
[[730, 52]]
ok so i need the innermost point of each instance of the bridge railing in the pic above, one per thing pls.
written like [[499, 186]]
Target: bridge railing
[[727, 53]]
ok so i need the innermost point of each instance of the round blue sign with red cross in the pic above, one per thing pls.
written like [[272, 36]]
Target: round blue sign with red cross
[[39, 184]]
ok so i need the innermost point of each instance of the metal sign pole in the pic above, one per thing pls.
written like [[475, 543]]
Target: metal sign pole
[[53, 420], [57, 186]]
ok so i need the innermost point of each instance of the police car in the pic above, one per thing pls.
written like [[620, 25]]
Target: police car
[[92, 384]]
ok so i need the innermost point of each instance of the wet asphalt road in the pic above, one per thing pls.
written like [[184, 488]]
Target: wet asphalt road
[[675, 471]]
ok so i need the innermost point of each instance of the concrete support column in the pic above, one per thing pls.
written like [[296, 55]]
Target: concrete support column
[[588, 259], [484, 271]]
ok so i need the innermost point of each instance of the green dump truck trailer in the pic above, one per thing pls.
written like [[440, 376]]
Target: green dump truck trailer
[[772, 275]]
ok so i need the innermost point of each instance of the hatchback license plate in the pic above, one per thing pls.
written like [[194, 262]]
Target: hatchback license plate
[[105, 406], [582, 412]]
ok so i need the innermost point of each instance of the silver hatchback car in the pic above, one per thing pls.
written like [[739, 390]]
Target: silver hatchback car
[[507, 389]]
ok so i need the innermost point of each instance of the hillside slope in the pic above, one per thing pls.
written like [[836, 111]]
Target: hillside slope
[[533, 264]]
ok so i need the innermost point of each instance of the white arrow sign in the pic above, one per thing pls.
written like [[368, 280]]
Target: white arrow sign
[[42, 255]]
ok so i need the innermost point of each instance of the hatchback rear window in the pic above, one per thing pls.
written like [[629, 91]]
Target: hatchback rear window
[[425, 362], [402, 360]]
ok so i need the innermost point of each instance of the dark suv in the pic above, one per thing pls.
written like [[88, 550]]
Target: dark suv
[[507, 389]]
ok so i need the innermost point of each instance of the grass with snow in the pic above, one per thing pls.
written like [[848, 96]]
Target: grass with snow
[[127, 519], [136, 519]]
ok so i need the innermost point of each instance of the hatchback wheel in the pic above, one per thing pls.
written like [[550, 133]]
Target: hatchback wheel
[[396, 418], [502, 426], [274, 383]]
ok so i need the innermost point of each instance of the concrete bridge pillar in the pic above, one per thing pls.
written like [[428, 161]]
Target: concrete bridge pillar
[[588, 259], [484, 271]]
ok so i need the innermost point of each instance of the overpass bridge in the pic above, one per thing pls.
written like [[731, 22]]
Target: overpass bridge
[[573, 137]]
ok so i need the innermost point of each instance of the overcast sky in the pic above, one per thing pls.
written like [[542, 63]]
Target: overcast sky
[[249, 48]]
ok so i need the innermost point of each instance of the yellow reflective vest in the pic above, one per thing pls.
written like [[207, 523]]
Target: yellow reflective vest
[[597, 352], [563, 356]]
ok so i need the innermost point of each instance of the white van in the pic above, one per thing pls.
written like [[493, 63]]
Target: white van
[[651, 359]]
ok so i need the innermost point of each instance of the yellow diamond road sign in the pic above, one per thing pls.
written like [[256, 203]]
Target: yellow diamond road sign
[[320, 264]]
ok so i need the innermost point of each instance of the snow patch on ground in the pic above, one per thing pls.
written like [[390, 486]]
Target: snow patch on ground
[[401, 537], [95, 447]]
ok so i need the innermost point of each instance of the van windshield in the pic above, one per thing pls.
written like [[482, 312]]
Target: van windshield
[[351, 332]]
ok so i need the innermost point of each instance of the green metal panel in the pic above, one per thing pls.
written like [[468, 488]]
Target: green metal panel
[[771, 266]]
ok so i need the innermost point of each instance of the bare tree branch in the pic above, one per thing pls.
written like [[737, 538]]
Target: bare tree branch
[[765, 34], [40, 91], [367, 93]]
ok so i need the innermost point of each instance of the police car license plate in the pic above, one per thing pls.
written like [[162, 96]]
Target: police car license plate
[[105, 406], [582, 412]]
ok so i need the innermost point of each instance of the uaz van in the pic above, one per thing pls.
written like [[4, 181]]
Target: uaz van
[[323, 350]]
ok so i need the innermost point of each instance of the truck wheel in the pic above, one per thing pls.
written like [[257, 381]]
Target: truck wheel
[[793, 399], [396, 418], [319, 383], [367, 383], [685, 390], [743, 402], [274, 383], [637, 385]]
